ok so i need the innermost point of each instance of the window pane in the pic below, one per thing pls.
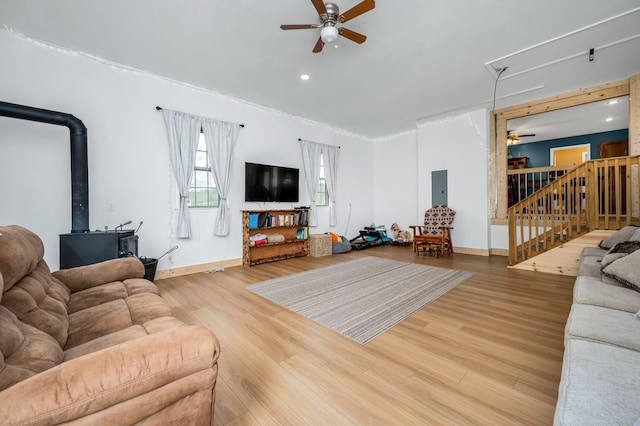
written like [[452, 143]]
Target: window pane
[[200, 179], [321, 194], [202, 191], [201, 159]]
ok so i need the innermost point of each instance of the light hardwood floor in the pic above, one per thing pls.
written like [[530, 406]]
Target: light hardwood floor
[[488, 352]]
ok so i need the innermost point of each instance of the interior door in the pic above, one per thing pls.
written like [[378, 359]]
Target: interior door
[[613, 149]]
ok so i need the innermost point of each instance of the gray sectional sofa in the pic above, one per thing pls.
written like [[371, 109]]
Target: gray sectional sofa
[[600, 383]]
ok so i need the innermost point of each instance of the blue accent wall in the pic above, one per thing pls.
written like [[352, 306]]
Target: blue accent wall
[[538, 152]]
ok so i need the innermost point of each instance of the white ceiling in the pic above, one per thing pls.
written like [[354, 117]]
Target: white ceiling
[[421, 59], [602, 116]]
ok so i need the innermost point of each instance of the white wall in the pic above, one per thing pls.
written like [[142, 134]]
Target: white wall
[[128, 154], [459, 145], [396, 191]]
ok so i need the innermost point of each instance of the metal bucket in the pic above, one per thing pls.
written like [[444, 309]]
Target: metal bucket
[[150, 265]]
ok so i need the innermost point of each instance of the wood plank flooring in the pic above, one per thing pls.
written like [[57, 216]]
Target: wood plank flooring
[[488, 352]]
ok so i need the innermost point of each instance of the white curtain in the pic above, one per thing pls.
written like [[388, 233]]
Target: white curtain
[[311, 165], [183, 131], [221, 139], [331, 154]]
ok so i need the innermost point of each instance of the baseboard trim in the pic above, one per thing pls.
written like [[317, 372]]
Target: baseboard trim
[[473, 251], [194, 269], [211, 266], [499, 252]]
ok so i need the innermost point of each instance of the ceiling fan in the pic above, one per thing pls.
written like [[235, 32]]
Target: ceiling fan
[[330, 16], [514, 138]]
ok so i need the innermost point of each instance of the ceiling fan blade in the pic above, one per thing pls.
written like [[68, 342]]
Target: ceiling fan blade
[[299, 27], [352, 35], [320, 7], [319, 45], [357, 10], [528, 135]]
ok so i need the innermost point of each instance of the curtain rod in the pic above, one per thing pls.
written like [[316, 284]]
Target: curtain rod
[[160, 109], [300, 140]]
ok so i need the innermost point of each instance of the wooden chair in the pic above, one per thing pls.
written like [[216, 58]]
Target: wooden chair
[[435, 234]]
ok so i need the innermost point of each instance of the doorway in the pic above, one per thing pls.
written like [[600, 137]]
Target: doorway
[[569, 155]]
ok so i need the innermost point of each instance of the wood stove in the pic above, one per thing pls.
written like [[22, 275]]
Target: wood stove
[[78, 249]]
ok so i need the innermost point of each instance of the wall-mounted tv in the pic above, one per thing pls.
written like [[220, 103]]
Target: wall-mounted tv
[[263, 183]]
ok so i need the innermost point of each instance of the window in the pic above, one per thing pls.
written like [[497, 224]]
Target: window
[[322, 197], [203, 191]]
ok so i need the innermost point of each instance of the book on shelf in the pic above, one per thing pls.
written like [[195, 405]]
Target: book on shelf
[[253, 220]]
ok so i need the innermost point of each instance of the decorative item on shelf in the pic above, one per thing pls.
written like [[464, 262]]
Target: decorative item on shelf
[[302, 233], [257, 240], [275, 238]]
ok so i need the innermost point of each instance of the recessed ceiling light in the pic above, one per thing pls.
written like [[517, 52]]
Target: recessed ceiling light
[[608, 119], [612, 102], [304, 77]]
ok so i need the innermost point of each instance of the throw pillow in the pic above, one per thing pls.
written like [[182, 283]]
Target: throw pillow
[[619, 250], [625, 270], [623, 234], [635, 236]]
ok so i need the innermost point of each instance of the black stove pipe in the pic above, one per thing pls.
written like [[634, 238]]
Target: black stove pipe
[[79, 159]]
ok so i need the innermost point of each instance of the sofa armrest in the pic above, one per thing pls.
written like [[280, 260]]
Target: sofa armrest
[[109, 378], [83, 277]]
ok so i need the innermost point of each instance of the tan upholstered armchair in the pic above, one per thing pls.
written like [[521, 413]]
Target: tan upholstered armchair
[[435, 234]]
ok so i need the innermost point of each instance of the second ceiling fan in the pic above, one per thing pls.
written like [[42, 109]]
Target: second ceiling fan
[[330, 16], [514, 138]]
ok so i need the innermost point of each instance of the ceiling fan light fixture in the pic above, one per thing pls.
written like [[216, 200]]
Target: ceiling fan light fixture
[[329, 34]]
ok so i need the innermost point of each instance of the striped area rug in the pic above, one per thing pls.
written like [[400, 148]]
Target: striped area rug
[[361, 298]]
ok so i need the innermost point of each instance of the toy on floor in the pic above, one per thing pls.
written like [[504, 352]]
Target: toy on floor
[[370, 236]]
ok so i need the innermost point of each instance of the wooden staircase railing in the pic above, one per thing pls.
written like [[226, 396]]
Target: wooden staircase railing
[[598, 194]]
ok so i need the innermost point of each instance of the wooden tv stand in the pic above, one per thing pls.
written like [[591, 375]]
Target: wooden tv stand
[[291, 223]]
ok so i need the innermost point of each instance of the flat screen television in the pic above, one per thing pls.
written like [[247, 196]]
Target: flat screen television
[[263, 183]]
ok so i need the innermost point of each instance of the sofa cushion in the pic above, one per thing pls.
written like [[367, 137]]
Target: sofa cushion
[[619, 236], [97, 295], [593, 251], [97, 321], [625, 270], [24, 350], [20, 252], [38, 300], [156, 325], [590, 266], [106, 341], [603, 325], [591, 291], [116, 315], [84, 277], [599, 385]]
